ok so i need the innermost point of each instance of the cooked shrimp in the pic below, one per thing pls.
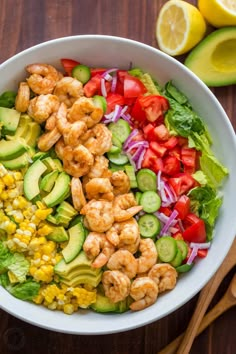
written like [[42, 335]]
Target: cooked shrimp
[[125, 206], [144, 291], [23, 97], [124, 261], [125, 234], [43, 78], [120, 182], [97, 246], [68, 90], [48, 139], [98, 215], [164, 275], [59, 148], [77, 161], [99, 188], [99, 168], [148, 256], [100, 141], [116, 285], [51, 122], [77, 194], [84, 109], [42, 107]]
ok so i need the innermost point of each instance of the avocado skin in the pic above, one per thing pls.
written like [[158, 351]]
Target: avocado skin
[[203, 59]]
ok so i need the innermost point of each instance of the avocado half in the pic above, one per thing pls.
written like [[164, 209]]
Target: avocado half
[[213, 60]]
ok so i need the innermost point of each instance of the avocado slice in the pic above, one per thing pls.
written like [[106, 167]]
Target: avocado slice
[[76, 240], [53, 164], [66, 209], [31, 179], [10, 149], [104, 304], [9, 120], [33, 133], [59, 191], [19, 162], [213, 59], [92, 280], [48, 181], [58, 234], [40, 155], [81, 262]]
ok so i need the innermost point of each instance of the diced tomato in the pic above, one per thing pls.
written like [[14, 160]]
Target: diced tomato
[[181, 183], [154, 106], [113, 99], [175, 151], [202, 253], [68, 65], [190, 219], [137, 112], [148, 159], [161, 132], [158, 149], [93, 86], [97, 71], [165, 210], [149, 132], [178, 236], [188, 156], [182, 206], [196, 232], [171, 165], [183, 141], [133, 87], [157, 165], [121, 75], [171, 142]]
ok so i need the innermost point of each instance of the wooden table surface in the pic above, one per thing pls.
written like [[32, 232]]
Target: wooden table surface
[[24, 23]]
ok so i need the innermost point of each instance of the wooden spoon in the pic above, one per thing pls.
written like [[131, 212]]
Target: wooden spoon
[[227, 301], [204, 300]]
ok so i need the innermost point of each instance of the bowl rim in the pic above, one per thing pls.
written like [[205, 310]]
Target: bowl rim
[[132, 324]]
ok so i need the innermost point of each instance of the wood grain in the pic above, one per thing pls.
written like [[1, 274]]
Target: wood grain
[[24, 23]]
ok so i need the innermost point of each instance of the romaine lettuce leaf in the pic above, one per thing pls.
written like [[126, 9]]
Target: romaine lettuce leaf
[[24, 291], [215, 172], [6, 258], [19, 267]]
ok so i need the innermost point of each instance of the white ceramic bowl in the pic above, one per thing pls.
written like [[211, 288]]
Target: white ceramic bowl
[[98, 50]]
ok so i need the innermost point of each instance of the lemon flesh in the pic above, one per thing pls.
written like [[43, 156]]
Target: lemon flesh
[[214, 59], [180, 26], [219, 13]]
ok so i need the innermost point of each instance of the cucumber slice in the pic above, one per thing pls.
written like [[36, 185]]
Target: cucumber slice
[[150, 201], [113, 167], [81, 73], [131, 174], [183, 247], [138, 196], [121, 129], [116, 141], [118, 158], [166, 248], [115, 149], [147, 180], [149, 225], [184, 268], [101, 102], [177, 261]]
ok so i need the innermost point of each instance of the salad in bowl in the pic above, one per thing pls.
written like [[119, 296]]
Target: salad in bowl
[[110, 187]]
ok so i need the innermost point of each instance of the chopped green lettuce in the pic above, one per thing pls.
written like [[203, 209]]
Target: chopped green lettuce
[[172, 92], [19, 267], [7, 99], [137, 72], [6, 258], [150, 84], [213, 169]]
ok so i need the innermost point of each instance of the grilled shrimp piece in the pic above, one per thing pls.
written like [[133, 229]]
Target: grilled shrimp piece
[[99, 188], [48, 139], [124, 261], [99, 168], [77, 194], [98, 215], [42, 107], [125, 235], [125, 206], [148, 256], [116, 285], [43, 78], [23, 97], [164, 275], [97, 246], [120, 182], [144, 291], [84, 109], [100, 141], [77, 161], [68, 90]]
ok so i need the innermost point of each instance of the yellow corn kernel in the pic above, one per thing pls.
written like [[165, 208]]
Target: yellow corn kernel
[[4, 195], [13, 279], [11, 228], [84, 297], [32, 270], [45, 230], [68, 309], [8, 180], [50, 293], [17, 175], [42, 214], [49, 247], [38, 299]]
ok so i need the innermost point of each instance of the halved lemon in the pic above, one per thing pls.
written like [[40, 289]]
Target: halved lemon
[[219, 13], [180, 26]]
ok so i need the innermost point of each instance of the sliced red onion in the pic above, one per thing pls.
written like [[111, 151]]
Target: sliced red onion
[[108, 77], [200, 246], [135, 144], [192, 256], [181, 225], [161, 216], [131, 161], [173, 230], [128, 119], [103, 87], [130, 137], [140, 159], [114, 82], [109, 71], [162, 193], [159, 180], [170, 193], [116, 113], [169, 222]]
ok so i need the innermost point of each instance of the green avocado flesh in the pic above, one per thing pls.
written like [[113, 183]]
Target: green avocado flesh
[[213, 59]]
